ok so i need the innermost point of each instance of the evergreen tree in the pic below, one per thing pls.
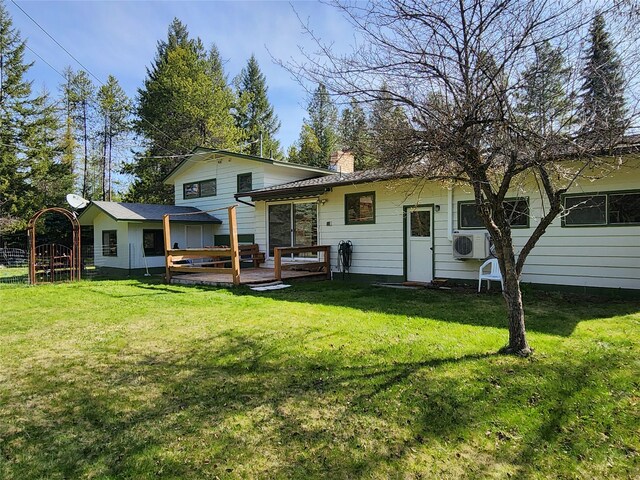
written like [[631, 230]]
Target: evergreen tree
[[544, 101], [319, 133], [603, 112], [80, 91], [308, 147], [114, 107], [254, 114], [353, 132], [185, 103], [389, 126], [32, 173], [50, 176]]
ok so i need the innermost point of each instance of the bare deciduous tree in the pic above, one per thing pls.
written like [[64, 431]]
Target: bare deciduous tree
[[459, 68]]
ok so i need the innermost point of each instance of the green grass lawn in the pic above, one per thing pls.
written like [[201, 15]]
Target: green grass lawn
[[323, 380]]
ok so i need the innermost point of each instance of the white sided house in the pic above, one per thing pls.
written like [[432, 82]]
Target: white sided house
[[409, 229], [210, 180], [128, 237]]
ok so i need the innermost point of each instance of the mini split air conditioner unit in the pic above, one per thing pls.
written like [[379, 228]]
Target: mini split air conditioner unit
[[470, 245]]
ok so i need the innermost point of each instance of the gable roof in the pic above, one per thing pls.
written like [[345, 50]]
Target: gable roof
[[138, 212], [319, 185], [204, 153]]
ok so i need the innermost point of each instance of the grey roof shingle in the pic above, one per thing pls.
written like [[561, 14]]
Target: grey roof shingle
[[146, 211], [318, 183]]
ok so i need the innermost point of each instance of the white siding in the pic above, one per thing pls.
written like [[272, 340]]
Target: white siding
[[593, 256], [104, 222], [225, 171], [377, 248]]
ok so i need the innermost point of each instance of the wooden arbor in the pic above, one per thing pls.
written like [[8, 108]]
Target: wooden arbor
[[212, 259], [50, 259]]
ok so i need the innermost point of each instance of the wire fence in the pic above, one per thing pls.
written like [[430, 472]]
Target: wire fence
[[14, 266]]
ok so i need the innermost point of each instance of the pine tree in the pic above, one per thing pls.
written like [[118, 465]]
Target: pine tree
[[603, 112], [32, 173], [79, 90], [389, 125], [544, 101], [50, 176], [254, 114], [353, 132], [319, 135], [185, 103], [114, 107]]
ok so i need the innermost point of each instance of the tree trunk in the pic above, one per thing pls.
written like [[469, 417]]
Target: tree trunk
[[104, 160], [515, 311], [86, 150]]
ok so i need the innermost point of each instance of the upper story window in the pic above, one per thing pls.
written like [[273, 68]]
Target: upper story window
[[360, 208], [612, 208], [205, 188], [517, 210], [245, 182]]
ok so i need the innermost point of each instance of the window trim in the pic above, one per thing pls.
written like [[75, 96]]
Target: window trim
[[110, 231], [250, 175], [606, 209], [508, 199], [346, 209], [199, 183]]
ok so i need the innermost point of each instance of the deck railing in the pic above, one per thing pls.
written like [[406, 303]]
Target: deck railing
[[325, 264], [212, 254]]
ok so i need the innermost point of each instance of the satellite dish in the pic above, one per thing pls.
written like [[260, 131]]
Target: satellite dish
[[76, 201]]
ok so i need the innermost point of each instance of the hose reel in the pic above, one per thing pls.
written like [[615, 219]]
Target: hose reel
[[345, 253]]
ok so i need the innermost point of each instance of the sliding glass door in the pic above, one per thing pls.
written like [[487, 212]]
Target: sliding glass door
[[293, 224]]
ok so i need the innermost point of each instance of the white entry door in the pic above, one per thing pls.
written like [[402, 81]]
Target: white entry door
[[419, 245]]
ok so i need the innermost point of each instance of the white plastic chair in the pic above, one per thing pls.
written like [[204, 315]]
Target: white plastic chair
[[494, 273]]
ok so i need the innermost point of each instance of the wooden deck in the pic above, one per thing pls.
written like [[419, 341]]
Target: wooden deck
[[248, 276]]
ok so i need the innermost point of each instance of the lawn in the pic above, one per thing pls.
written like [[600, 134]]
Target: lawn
[[135, 379]]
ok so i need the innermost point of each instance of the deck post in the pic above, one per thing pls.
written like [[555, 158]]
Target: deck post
[[235, 250], [327, 261], [277, 263], [168, 258]]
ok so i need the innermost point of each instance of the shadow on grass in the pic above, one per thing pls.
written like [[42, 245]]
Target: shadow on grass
[[548, 313], [237, 406]]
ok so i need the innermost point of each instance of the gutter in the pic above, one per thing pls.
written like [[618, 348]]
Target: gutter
[[246, 203]]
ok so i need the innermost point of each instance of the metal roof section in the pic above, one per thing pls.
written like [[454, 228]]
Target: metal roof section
[[139, 212], [204, 154]]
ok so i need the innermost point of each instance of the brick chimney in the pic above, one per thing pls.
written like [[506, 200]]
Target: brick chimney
[[341, 161]]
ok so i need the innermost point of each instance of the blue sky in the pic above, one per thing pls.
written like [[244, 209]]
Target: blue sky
[[119, 38]]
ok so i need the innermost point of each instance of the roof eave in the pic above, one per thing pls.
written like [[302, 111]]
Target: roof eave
[[167, 179]]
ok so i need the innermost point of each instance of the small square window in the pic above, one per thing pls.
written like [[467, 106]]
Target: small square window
[[245, 183], [153, 242], [624, 208], [518, 212], [109, 243], [360, 208], [468, 216], [208, 188], [191, 190]]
